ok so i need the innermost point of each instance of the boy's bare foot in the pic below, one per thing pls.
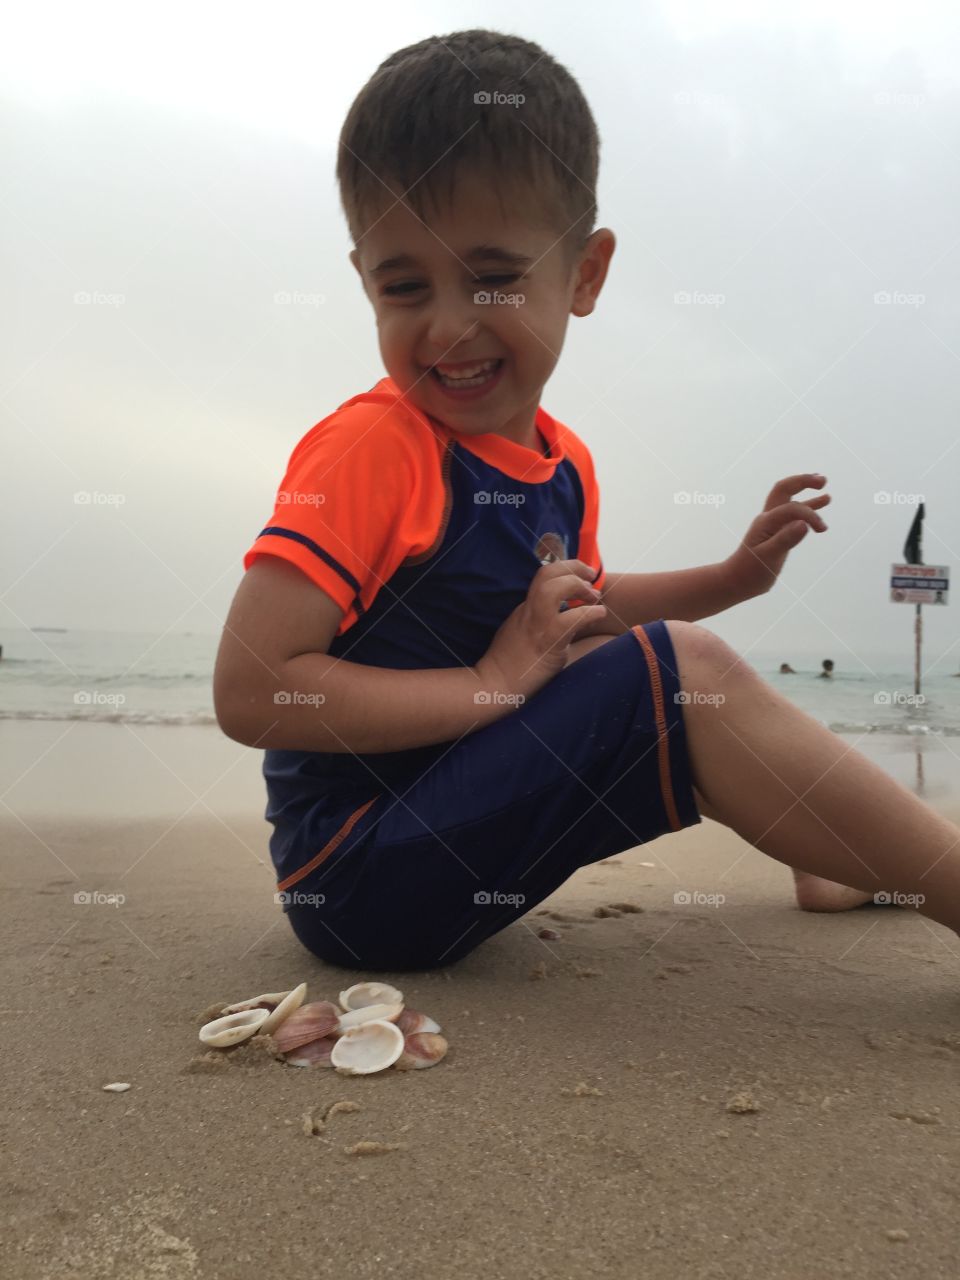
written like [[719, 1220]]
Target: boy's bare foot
[[816, 894]]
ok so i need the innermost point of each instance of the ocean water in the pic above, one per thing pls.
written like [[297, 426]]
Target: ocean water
[[142, 678]]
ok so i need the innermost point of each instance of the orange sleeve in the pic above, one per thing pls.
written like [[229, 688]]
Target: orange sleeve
[[358, 497]]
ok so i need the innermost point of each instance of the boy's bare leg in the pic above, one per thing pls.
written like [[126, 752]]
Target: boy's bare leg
[[793, 789], [813, 892], [816, 894]]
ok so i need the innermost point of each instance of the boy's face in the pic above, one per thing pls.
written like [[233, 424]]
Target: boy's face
[[427, 313]]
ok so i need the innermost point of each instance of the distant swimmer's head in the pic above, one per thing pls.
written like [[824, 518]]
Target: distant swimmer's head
[[468, 168]]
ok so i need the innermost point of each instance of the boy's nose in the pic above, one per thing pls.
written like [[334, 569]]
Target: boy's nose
[[450, 326]]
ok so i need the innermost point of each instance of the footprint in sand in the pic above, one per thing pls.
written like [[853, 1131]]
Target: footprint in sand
[[610, 909]]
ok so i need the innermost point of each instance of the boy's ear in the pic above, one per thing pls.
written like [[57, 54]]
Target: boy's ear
[[591, 271]]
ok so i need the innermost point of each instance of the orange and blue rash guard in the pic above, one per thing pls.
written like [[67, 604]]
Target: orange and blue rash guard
[[427, 539]]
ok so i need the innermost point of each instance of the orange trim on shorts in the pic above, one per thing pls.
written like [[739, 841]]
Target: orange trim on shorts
[[663, 746], [327, 849]]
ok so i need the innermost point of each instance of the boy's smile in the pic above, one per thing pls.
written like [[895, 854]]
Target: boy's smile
[[476, 286]]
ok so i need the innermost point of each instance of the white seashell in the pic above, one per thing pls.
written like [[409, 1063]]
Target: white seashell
[[422, 1049], [115, 1088], [268, 1001], [411, 1022], [279, 1004], [363, 994], [289, 1004], [233, 1028], [370, 1047], [370, 1013]]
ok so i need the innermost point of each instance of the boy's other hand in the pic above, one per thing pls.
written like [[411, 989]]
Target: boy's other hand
[[531, 646], [755, 565]]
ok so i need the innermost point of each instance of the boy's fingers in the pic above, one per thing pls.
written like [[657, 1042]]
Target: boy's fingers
[[578, 567], [789, 485], [568, 587], [575, 619], [796, 511]]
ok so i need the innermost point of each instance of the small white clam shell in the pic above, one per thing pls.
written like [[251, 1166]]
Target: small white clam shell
[[369, 1013], [370, 1047], [269, 1000], [118, 1087], [279, 1004], [233, 1028], [362, 994], [289, 1004]]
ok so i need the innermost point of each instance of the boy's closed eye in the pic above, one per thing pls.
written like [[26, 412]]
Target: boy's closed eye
[[407, 286]]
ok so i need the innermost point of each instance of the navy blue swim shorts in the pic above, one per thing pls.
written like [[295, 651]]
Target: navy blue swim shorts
[[594, 764]]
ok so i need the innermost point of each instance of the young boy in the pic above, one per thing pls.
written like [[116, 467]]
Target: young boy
[[458, 705]]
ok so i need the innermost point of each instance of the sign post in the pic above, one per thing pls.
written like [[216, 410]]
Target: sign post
[[919, 584]]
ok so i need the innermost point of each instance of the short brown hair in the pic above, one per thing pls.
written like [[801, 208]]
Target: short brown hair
[[417, 119]]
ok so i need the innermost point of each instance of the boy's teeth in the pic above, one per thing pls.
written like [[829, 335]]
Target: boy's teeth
[[472, 372]]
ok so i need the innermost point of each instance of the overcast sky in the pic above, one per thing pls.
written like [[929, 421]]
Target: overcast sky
[[183, 159]]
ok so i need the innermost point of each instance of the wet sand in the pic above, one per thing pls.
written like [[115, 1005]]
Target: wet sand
[[681, 1090]]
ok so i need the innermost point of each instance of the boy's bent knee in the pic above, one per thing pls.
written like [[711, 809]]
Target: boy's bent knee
[[702, 657]]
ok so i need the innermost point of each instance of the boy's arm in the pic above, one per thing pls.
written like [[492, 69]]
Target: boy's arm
[[275, 686], [686, 594], [752, 569], [692, 594]]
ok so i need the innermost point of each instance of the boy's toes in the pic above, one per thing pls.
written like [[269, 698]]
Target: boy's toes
[[816, 894]]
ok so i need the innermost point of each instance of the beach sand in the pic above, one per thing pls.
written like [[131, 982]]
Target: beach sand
[[742, 1090]]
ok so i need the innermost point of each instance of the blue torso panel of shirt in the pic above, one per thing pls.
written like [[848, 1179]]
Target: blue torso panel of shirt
[[439, 610]]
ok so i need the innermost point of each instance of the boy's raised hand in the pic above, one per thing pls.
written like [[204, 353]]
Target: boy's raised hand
[[755, 565], [530, 647]]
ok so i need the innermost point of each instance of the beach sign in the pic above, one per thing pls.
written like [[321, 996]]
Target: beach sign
[[919, 583]]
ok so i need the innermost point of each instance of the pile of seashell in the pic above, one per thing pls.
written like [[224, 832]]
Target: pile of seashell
[[372, 1030]]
